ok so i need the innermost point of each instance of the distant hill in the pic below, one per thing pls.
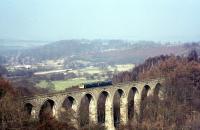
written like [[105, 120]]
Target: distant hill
[[109, 51], [8, 46], [21, 43], [66, 48]]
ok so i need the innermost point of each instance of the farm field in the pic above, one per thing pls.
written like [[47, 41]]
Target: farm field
[[98, 70], [63, 84], [82, 76]]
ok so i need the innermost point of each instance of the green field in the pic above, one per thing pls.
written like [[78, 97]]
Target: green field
[[97, 70], [126, 67], [63, 84]]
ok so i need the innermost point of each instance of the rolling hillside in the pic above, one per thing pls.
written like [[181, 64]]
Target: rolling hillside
[[107, 51]]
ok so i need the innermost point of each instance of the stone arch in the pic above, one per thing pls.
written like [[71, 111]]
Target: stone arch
[[145, 93], [69, 103], [158, 91], [132, 103], [47, 110], [28, 108], [87, 110], [118, 101], [68, 108], [103, 100]]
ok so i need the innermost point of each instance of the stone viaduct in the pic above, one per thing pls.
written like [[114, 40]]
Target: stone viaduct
[[138, 90]]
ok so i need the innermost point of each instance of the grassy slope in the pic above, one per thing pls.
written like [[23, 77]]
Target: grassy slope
[[63, 84]]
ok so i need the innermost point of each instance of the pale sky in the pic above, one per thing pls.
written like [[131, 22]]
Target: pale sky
[[165, 20]]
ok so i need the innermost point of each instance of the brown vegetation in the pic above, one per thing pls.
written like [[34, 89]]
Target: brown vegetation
[[11, 114], [14, 115], [178, 110]]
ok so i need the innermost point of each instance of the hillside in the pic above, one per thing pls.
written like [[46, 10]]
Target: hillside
[[96, 51]]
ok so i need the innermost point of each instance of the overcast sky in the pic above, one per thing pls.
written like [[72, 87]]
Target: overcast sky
[[165, 20]]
